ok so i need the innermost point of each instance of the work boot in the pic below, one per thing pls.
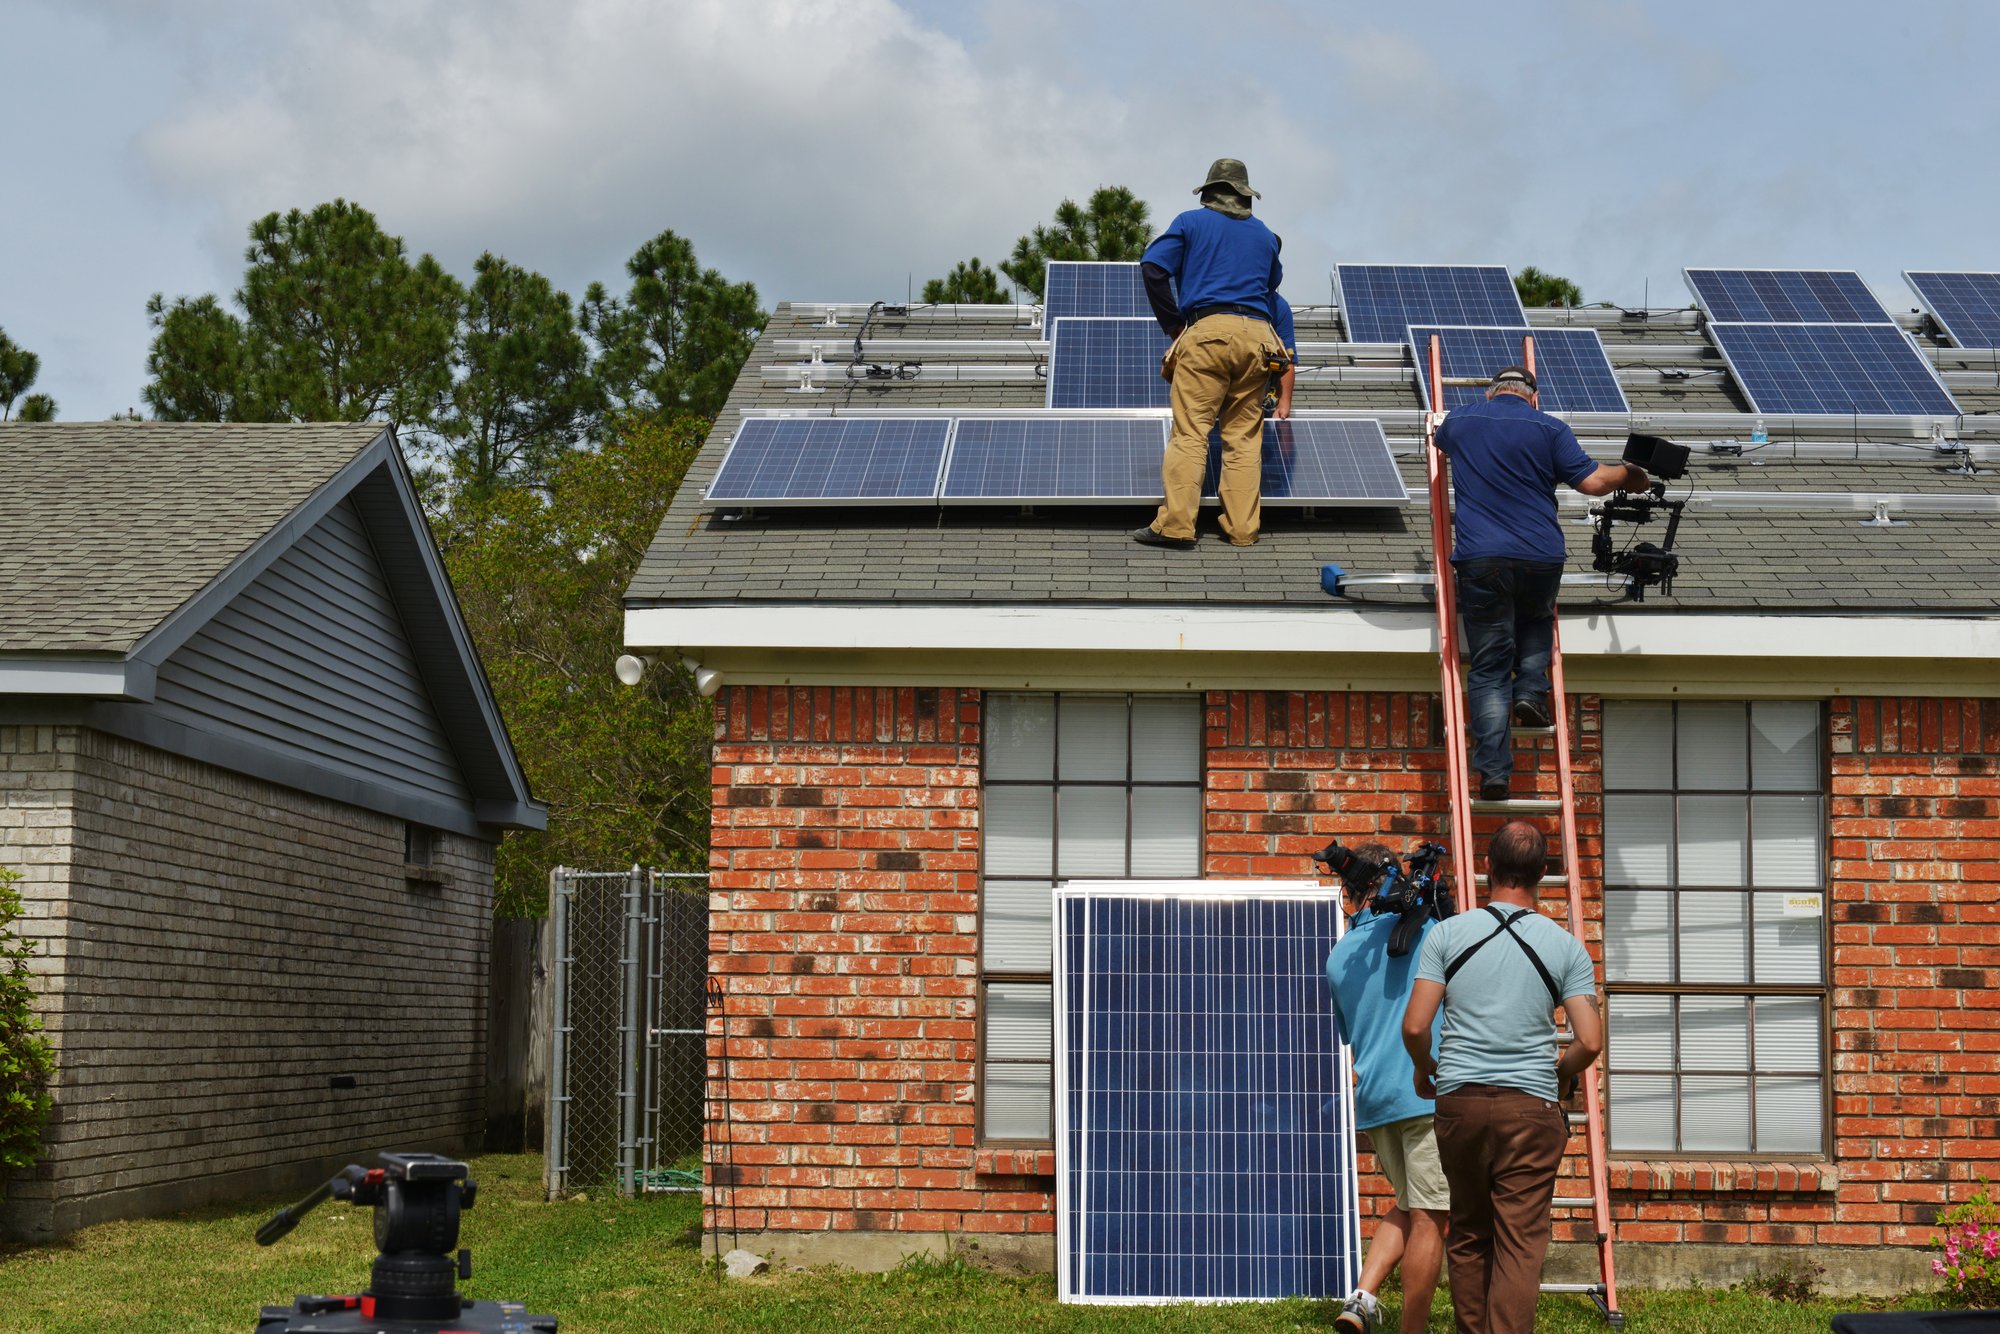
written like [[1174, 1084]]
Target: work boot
[[1149, 536], [1532, 711], [1492, 789]]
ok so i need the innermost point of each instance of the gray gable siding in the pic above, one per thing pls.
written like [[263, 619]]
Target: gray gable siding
[[312, 659]]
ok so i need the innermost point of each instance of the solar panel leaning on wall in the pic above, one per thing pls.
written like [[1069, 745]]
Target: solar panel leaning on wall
[[1379, 302], [1832, 369], [777, 461], [1097, 362], [1204, 1111], [1966, 305], [1572, 371], [1786, 296]]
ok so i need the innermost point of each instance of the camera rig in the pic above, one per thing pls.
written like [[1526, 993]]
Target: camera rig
[[1643, 564], [1412, 892], [417, 1198]]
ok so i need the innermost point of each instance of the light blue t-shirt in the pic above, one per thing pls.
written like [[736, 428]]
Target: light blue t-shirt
[[1498, 1025], [1370, 992]]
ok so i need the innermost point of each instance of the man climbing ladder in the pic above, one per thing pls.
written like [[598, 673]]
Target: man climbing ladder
[[1510, 456]]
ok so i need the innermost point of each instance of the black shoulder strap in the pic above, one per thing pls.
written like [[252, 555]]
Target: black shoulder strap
[[1507, 926]]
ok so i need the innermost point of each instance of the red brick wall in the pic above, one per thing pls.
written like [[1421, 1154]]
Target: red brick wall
[[845, 905], [844, 901]]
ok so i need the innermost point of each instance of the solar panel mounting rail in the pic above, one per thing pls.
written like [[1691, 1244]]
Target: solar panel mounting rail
[[1458, 784]]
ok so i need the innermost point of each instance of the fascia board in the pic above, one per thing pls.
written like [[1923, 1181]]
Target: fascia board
[[76, 677]]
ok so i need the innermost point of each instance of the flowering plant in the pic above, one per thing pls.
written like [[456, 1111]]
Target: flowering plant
[[1970, 1263]]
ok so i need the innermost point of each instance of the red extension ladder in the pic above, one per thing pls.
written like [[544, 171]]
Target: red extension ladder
[[1457, 739]]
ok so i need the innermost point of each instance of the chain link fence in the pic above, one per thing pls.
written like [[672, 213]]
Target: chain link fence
[[628, 1064]]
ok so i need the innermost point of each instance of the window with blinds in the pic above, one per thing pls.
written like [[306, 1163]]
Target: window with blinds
[[1075, 787], [1715, 926]]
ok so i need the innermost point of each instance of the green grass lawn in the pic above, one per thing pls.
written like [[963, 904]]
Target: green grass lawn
[[616, 1266]]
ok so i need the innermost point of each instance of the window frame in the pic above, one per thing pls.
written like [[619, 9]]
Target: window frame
[[1750, 989], [1054, 785]]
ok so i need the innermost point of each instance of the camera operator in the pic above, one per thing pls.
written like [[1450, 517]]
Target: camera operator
[[1370, 989], [1507, 456], [1496, 1076]]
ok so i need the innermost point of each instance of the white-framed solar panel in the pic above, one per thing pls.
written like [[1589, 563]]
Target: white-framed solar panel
[[1107, 362], [1320, 463], [1100, 288], [805, 461], [1379, 302], [1785, 296], [1572, 371], [1055, 461], [1832, 369], [1965, 304], [1204, 1109]]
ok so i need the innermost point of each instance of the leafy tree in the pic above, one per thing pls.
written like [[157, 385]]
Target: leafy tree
[[527, 395], [27, 1064], [968, 283], [36, 408], [541, 578], [1538, 288], [342, 326], [199, 363], [676, 341], [1114, 225], [18, 369], [337, 325]]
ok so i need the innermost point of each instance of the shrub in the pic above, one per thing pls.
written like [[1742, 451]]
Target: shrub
[[26, 1063], [1970, 1263]]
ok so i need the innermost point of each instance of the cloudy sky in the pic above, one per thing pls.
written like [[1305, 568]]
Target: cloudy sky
[[841, 149]]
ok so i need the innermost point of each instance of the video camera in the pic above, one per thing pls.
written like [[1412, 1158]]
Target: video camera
[[417, 1199], [1642, 564], [1413, 893]]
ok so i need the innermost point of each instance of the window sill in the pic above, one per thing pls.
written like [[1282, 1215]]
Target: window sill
[[1023, 1162], [1686, 1176]]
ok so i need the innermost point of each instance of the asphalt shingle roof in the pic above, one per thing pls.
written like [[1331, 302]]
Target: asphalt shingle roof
[[107, 527], [1732, 560]]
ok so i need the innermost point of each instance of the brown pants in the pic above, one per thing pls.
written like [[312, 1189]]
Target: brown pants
[[1221, 369], [1500, 1149]]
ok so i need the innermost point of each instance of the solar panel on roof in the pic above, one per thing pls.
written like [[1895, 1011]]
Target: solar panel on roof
[[1321, 462], [1099, 288], [1967, 305], [1831, 368], [1786, 296], [1572, 372], [1056, 460], [1107, 363], [1204, 1122], [1379, 302], [830, 460]]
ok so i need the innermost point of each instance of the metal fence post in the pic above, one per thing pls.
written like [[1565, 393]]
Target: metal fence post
[[555, 1154]]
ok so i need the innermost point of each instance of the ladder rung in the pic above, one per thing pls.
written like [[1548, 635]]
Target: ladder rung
[[1573, 1202], [1581, 1289], [1564, 1035], [1579, 1118], [1519, 731], [1519, 806], [1555, 877]]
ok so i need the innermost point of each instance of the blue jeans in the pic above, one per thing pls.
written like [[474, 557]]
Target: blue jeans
[[1508, 611]]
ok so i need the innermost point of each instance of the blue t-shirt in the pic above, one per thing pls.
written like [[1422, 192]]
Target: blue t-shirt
[[1506, 460], [1370, 992], [1218, 260], [1283, 324], [1499, 1025]]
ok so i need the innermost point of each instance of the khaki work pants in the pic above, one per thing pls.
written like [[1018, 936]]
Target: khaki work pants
[[1500, 1148], [1221, 367]]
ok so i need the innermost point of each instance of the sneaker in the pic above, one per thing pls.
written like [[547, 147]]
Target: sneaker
[[1532, 711], [1358, 1313], [1493, 789], [1148, 536]]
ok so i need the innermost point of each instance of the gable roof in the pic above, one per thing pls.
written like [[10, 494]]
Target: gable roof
[[119, 542]]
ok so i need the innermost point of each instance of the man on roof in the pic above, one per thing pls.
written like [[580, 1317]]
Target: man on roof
[[1225, 263], [1507, 457]]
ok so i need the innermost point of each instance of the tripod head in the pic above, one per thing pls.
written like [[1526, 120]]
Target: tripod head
[[1643, 564], [418, 1199]]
